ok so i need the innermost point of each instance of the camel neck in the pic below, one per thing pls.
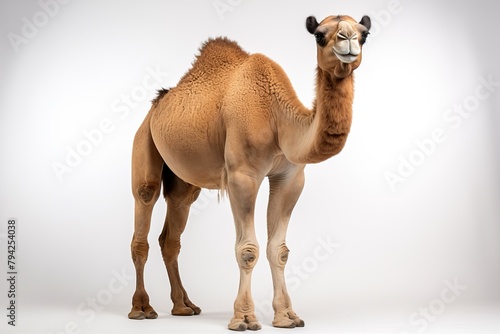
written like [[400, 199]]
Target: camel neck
[[332, 116], [314, 135]]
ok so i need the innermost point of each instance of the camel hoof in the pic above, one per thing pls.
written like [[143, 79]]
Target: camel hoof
[[151, 314], [284, 323], [196, 310], [287, 320], [141, 315], [137, 315], [254, 326], [183, 311], [238, 326]]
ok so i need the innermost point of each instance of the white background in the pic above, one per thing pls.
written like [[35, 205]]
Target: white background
[[395, 247]]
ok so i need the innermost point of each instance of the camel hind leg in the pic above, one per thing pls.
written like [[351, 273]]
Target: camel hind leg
[[147, 167], [179, 196]]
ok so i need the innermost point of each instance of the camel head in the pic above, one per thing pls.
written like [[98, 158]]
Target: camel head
[[340, 41]]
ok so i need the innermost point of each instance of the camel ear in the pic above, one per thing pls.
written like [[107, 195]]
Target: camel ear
[[367, 23], [311, 24]]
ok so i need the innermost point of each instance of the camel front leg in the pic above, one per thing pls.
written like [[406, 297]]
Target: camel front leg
[[242, 190], [284, 193]]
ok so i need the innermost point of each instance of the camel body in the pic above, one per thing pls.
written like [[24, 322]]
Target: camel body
[[211, 115], [233, 120]]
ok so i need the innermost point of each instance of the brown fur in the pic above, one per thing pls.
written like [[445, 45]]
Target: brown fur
[[232, 120]]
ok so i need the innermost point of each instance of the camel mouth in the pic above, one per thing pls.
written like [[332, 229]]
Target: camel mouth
[[346, 58], [336, 134]]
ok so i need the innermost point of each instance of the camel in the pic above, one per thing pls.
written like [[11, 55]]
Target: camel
[[233, 120]]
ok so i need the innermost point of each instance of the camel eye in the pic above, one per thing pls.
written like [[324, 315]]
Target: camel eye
[[364, 35], [320, 39]]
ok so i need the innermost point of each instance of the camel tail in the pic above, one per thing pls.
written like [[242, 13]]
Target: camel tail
[[161, 93], [166, 174]]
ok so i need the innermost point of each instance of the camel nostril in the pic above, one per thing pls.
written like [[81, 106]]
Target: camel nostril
[[342, 36]]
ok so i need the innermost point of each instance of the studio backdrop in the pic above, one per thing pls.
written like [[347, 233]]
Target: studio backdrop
[[405, 219]]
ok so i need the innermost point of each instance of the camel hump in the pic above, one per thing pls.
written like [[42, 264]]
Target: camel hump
[[219, 54], [220, 47], [216, 57]]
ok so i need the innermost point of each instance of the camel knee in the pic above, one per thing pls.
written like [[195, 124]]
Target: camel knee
[[278, 255], [139, 250], [170, 248], [182, 196], [148, 193], [247, 255]]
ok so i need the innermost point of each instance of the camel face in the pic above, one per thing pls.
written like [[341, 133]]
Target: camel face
[[340, 41], [346, 47]]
